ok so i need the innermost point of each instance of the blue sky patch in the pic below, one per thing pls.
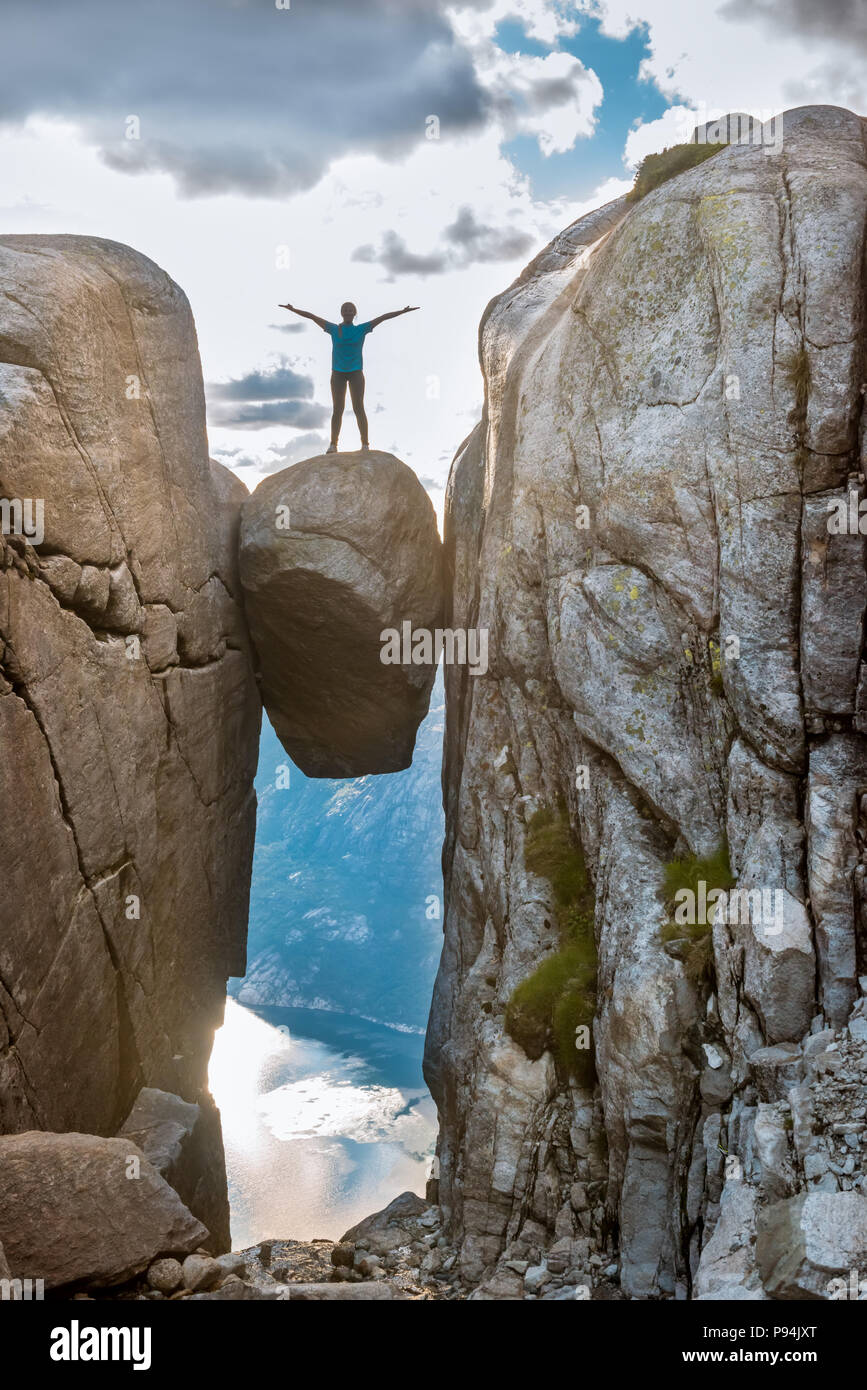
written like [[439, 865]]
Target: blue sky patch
[[627, 100]]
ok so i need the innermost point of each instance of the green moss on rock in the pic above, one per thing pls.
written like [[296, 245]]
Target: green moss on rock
[[547, 1008], [695, 939]]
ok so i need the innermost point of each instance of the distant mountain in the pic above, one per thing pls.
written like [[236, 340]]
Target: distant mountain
[[346, 879]]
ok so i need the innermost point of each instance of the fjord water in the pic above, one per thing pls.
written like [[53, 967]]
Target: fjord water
[[325, 1116], [346, 890], [317, 1069]]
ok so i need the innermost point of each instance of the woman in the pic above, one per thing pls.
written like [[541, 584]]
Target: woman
[[347, 339]]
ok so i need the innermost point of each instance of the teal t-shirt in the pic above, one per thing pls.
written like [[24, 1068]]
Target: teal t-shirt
[[347, 340]]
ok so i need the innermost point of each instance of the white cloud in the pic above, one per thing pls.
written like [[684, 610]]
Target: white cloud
[[552, 98], [545, 20], [423, 379], [725, 58], [675, 127]]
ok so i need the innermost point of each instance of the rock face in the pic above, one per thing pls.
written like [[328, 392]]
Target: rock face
[[183, 1141], [335, 551], [405, 1208], [640, 522], [727, 1270], [73, 1209], [128, 711], [806, 1242]]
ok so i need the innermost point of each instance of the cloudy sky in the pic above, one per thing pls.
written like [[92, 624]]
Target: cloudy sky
[[387, 151]]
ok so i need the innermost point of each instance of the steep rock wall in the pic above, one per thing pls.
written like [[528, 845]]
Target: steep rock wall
[[129, 715], [690, 370]]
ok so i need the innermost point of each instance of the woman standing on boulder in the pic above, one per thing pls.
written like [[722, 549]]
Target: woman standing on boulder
[[347, 338]]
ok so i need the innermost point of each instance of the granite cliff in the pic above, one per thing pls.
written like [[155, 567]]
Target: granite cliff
[[673, 413], [129, 715]]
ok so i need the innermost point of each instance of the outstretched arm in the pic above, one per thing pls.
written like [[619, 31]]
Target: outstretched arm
[[302, 313], [395, 314]]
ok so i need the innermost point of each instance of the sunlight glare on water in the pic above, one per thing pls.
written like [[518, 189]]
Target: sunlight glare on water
[[242, 1049], [314, 1138]]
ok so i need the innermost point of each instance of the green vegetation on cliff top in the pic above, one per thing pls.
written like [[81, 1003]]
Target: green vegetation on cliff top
[[656, 169]]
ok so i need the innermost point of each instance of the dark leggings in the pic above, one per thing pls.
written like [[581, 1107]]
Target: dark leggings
[[339, 382]]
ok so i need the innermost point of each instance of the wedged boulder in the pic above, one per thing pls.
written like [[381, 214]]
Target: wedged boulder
[[183, 1141], [335, 551], [128, 710], [73, 1210], [807, 1241]]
